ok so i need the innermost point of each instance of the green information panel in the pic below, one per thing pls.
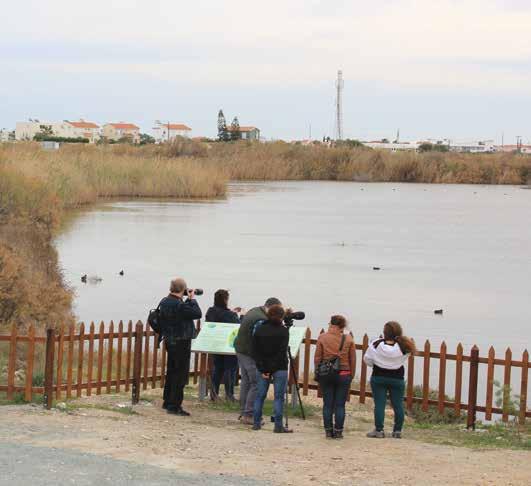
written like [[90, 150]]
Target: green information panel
[[218, 338]]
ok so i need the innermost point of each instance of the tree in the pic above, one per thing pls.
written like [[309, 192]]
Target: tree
[[235, 133], [223, 133], [430, 147], [45, 132], [146, 139]]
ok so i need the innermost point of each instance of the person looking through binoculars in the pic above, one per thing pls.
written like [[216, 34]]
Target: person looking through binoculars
[[270, 341]]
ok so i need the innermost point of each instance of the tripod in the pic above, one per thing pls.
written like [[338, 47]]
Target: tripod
[[296, 382]]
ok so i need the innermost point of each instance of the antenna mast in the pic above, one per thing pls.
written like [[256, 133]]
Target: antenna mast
[[339, 106]]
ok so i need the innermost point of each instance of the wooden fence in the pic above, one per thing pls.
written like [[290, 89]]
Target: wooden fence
[[80, 361]]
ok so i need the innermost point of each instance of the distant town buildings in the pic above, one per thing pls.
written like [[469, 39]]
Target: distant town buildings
[[65, 129], [247, 133], [394, 147], [166, 132], [121, 131], [6, 135]]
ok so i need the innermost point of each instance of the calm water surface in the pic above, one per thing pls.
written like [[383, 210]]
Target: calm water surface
[[465, 249]]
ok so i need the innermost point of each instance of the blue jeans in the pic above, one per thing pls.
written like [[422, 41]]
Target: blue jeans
[[280, 381], [334, 398]]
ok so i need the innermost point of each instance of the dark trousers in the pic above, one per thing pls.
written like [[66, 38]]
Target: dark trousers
[[225, 368], [177, 373], [381, 386], [334, 398]]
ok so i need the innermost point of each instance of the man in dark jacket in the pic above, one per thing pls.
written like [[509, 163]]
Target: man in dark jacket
[[225, 366], [243, 346], [178, 329]]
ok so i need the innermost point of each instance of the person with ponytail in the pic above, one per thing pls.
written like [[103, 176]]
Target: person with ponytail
[[387, 356]]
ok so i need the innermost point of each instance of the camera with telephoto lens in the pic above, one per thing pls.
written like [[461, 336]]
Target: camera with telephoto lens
[[196, 291], [293, 316]]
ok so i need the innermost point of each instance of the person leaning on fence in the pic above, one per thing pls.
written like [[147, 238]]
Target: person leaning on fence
[[331, 345], [178, 329], [270, 350], [225, 366], [387, 356], [242, 344]]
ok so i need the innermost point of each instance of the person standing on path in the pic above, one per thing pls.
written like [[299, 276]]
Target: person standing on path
[[330, 345], [178, 329], [225, 366], [243, 344], [270, 342], [387, 356]]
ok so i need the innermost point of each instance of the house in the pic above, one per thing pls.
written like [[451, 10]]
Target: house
[[248, 133], [65, 129], [121, 131], [6, 135], [165, 132], [81, 129]]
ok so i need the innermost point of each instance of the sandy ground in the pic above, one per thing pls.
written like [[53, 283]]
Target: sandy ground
[[214, 444]]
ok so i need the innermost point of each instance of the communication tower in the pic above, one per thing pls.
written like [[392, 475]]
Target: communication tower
[[339, 105]]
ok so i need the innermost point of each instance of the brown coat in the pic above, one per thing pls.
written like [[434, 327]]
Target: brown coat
[[328, 347]]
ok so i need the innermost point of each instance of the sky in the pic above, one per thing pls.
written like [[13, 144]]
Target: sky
[[458, 69]]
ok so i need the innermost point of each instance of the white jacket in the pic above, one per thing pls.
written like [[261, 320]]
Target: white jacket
[[386, 356]]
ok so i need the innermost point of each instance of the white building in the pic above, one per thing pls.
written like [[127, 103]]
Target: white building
[[165, 132], [472, 147], [65, 129], [394, 147], [5, 135]]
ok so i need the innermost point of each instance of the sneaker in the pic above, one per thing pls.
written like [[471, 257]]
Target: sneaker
[[257, 427], [397, 435], [338, 434], [376, 434], [329, 434], [282, 430]]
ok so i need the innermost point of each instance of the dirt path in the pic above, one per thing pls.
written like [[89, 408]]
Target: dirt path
[[213, 443]]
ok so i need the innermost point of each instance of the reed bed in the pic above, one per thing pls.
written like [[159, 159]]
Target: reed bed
[[36, 186]]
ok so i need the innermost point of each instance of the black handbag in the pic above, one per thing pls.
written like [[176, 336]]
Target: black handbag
[[328, 369]]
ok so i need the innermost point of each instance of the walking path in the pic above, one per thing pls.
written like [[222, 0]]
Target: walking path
[[97, 446]]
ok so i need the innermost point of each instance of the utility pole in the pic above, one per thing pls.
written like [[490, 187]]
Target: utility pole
[[168, 130], [310, 132], [339, 105], [518, 144]]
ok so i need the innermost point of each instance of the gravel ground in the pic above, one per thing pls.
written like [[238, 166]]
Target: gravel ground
[[25, 464]]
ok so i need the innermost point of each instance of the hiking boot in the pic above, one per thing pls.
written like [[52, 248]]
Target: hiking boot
[[397, 435], [329, 433], [376, 434], [178, 411], [282, 430], [338, 434]]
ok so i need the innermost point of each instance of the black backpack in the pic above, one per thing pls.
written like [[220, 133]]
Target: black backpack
[[154, 320]]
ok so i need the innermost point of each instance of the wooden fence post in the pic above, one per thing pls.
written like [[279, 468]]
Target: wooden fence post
[[30, 358], [12, 362], [426, 377], [48, 368], [137, 362], [363, 372], [307, 351], [523, 387], [472, 388]]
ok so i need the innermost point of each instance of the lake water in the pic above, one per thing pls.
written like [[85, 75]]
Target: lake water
[[463, 249]]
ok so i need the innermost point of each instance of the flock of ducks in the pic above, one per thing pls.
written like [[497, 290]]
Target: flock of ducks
[[94, 279]]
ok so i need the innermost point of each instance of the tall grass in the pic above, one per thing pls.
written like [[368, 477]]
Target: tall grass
[[274, 161], [36, 187]]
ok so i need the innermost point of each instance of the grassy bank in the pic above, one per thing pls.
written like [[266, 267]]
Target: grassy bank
[[37, 186]]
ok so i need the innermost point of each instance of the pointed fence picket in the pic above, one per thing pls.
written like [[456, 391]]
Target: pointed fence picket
[[75, 361]]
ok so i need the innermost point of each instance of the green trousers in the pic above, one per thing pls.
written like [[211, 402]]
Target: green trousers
[[381, 385]]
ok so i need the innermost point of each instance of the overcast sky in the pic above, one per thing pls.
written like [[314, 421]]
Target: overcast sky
[[441, 68]]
